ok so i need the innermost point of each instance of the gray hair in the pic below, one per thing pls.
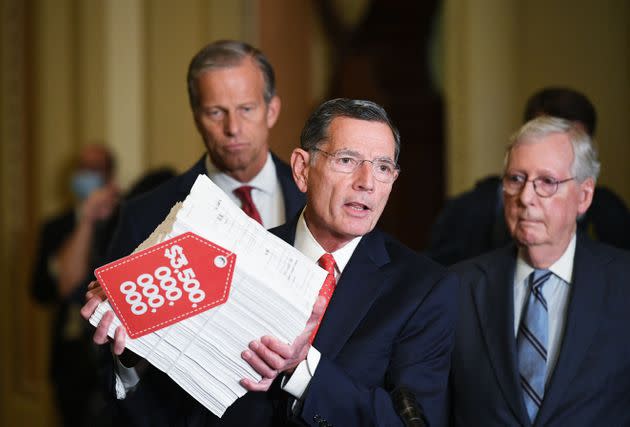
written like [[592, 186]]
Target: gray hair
[[585, 163], [226, 54], [315, 131]]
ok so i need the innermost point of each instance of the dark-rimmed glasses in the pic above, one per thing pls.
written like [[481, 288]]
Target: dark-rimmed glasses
[[544, 186], [383, 170]]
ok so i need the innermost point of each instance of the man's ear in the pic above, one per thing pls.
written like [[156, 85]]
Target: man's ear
[[299, 166], [586, 189], [273, 111]]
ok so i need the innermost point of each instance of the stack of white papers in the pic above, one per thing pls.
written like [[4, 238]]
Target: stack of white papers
[[273, 291]]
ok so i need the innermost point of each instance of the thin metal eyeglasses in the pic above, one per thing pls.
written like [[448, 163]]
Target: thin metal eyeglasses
[[544, 186], [383, 170]]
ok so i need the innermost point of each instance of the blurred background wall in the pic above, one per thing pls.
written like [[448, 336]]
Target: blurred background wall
[[455, 75]]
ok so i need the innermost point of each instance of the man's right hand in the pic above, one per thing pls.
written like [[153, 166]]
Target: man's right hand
[[95, 295]]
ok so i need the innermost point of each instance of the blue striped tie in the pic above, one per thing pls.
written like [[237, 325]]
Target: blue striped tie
[[532, 344]]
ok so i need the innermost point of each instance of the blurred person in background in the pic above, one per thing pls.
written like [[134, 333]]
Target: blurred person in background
[[70, 244]]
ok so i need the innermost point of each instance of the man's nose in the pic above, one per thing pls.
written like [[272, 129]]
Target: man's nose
[[364, 176], [232, 124], [527, 193]]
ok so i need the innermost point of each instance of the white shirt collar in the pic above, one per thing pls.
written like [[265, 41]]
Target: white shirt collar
[[306, 243], [264, 181], [563, 267]]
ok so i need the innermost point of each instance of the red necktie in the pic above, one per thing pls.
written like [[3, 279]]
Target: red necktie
[[244, 193], [327, 262]]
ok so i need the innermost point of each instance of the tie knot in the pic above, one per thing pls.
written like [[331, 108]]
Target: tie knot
[[244, 192], [538, 278], [327, 262]]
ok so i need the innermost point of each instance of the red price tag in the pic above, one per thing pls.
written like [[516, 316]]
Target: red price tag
[[168, 282]]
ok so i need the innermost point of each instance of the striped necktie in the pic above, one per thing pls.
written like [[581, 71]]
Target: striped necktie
[[532, 342]]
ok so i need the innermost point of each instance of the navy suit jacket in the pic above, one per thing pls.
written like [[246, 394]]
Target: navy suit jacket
[[590, 385], [389, 324]]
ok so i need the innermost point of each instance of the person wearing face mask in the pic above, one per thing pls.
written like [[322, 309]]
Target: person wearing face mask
[[70, 245]]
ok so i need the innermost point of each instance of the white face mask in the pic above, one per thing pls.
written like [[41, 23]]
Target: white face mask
[[85, 182]]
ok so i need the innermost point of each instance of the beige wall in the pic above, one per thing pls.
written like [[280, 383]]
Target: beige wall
[[499, 51], [584, 44]]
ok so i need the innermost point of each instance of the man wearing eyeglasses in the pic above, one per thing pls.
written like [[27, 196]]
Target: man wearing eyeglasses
[[379, 341], [541, 337], [389, 321]]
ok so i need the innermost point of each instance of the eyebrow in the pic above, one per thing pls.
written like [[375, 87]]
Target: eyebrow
[[345, 151], [543, 174]]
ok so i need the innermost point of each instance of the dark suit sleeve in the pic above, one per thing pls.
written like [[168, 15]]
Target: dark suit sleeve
[[608, 219], [44, 287], [419, 360], [469, 225], [125, 238]]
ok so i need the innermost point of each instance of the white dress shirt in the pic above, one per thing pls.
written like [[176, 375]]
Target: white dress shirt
[[306, 243], [556, 292], [266, 192]]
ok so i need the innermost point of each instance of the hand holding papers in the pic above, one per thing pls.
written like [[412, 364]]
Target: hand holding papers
[[273, 291], [270, 355]]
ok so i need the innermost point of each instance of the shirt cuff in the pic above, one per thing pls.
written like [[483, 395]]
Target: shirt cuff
[[126, 379], [296, 384]]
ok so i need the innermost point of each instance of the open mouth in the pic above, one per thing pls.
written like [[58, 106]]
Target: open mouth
[[359, 207]]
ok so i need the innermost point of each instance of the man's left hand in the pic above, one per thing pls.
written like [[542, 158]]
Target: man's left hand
[[269, 356]]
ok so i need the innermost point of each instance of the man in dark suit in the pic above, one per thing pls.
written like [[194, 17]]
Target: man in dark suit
[[388, 326], [540, 338], [472, 223], [231, 89], [388, 322]]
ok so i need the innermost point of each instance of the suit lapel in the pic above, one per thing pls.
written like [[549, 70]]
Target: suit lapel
[[494, 301], [359, 285], [287, 231], [188, 178], [583, 309], [294, 199]]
